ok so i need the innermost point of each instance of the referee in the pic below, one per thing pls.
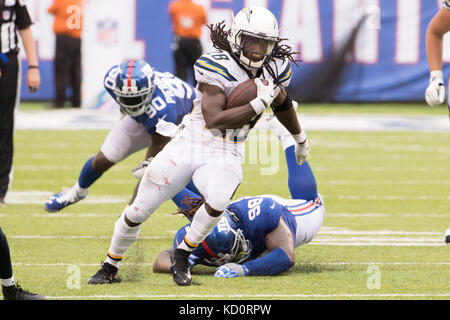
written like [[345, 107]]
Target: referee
[[14, 20]]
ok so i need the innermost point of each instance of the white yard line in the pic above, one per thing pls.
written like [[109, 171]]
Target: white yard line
[[286, 296], [396, 197], [59, 215], [39, 197], [52, 237], [84, 264], [380, 182]]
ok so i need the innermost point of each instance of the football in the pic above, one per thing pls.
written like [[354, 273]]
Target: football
[[243, 93]]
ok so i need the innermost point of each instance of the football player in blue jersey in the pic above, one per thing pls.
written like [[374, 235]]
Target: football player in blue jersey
[[254, 225], [148, 99]]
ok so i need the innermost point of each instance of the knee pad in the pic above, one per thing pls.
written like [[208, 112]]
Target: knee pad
[[218, 200], [137, 214]]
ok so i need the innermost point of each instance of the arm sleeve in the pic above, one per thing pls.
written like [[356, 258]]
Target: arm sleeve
[[23, 19], [275, 262]]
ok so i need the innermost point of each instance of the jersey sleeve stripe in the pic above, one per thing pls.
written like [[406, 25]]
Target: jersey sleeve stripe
[[286, 74], [447, 4], [210, 65]]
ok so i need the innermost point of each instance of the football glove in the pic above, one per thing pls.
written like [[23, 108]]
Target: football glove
[[264, 96], [231, 270], [138, 172], [301, 147], [435, 93]]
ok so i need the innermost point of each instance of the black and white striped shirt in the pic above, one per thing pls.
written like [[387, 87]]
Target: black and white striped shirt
[[13, 15]]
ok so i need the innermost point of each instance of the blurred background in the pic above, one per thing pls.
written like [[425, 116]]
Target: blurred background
[[350, 50]]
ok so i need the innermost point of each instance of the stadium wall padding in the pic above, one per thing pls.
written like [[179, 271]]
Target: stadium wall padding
[[386, 61]]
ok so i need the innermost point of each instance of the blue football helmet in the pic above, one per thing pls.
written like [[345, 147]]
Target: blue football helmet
[[134, 86], [226, 243]]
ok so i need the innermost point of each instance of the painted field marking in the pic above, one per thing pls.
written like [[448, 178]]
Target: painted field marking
[[39, 197], [84, 264], [175, 296]]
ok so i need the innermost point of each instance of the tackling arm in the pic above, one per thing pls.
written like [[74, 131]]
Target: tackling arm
[[281, 256]]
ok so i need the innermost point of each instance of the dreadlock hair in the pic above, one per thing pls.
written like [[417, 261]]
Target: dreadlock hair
[[193, 205], [219, 37]]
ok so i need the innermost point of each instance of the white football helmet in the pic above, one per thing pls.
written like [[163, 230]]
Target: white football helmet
[[254, 33]]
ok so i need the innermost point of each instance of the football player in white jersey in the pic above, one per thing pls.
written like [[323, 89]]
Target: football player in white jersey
[[438, 27], [209, 145]]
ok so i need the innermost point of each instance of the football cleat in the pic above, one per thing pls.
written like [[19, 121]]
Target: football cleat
[[106, 275], [447, 236], [180, 267], [138, 172], [61, 200], [15, 292]]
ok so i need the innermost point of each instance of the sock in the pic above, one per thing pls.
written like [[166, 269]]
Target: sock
[[287, 141], [6, 272], [191, 186], [124, 236], [7, 282], [88, 175], [200, 227], [180, 196], [302, 183]]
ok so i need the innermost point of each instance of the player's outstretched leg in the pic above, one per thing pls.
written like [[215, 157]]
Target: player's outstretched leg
[[89, 174], [302, 183]]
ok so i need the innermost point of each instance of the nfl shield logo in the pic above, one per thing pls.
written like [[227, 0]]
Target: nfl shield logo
[[107, 32], [6, 15]]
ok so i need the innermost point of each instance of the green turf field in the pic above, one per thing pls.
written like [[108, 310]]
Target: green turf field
[[387, 197]]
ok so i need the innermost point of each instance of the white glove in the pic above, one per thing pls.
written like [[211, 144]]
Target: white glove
[[301, 147], [139, 171], [231, 270], [435, 93], [264, 96]]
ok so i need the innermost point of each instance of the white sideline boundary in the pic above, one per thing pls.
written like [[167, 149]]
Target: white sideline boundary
[[95, 120]]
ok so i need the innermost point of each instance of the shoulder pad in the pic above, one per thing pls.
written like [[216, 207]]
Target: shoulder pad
[[214, 68], [284, 71]]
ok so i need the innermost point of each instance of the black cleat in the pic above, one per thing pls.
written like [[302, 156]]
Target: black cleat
[[180, 262], [17, 293], [106, 275]]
